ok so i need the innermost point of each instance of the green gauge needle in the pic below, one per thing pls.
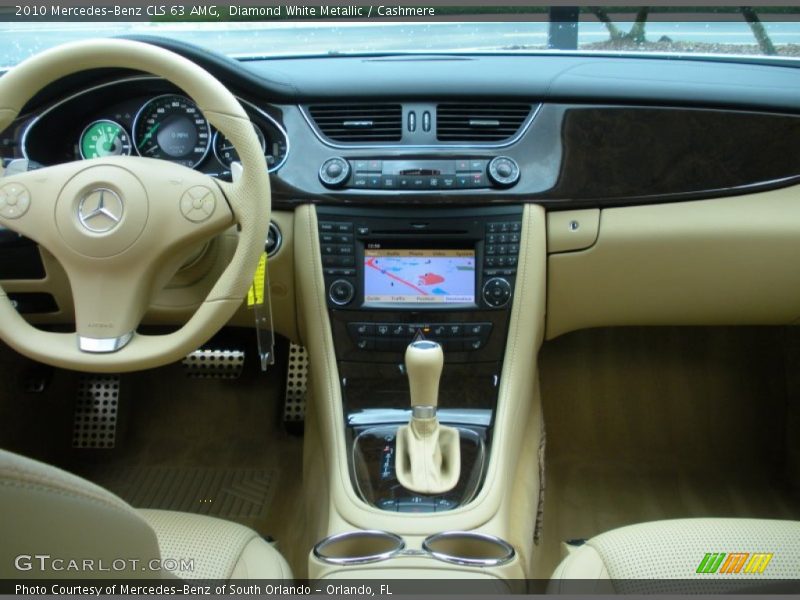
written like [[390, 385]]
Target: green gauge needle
[[149, 133]]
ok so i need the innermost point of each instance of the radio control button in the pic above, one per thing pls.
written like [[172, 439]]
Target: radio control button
[[503, 171], [341, 292], [334, 172], [497, 292], [338, 261]]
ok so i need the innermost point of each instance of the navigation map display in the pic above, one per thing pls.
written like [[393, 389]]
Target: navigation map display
[[404, 276]]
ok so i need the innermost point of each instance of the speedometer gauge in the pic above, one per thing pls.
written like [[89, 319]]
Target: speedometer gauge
[[104, 138], [171, 127]]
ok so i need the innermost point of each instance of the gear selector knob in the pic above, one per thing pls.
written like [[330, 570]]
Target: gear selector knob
[[424, 362]]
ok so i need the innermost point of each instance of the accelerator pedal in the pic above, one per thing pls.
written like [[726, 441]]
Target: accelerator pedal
[[294, 402], [95, 423], [213, 363]]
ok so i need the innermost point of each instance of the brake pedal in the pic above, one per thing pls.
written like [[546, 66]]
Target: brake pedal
[[294, 402], [212, 363], [95, 422]]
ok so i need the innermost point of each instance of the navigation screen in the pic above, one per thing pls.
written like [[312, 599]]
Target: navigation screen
[[419, 276]]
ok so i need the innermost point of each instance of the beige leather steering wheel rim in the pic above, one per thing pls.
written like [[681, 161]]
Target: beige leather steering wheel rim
[[163, 210]]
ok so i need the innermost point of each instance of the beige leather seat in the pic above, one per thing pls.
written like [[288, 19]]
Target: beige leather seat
[[677, 549], [55, 524]]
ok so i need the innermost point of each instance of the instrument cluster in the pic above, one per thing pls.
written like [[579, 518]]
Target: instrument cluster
[[166, 126]]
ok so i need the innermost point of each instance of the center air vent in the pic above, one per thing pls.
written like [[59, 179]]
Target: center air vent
[[479, 122], [359, 123]]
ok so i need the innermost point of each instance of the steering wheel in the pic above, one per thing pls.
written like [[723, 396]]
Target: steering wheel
[[122, 226]]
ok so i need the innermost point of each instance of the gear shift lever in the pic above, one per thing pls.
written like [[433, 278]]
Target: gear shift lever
[[428, 454]]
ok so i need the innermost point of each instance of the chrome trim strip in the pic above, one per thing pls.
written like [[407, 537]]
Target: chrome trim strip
[[442, 146], [481, 417], [103, 345], [319, 547], [89, 90], [508, 549]]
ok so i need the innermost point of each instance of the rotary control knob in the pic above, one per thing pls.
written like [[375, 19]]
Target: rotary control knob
[[334, 172], [341, 292], [503, 171], [497, 292]]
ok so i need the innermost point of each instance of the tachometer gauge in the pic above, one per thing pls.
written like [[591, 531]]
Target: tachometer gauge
[[171, 127], [226, 153], [104, 138]]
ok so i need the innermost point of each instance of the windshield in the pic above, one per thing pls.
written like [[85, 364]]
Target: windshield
[[766, 32]]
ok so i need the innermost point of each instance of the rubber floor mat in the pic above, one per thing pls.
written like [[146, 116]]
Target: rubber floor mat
[[218, 492]]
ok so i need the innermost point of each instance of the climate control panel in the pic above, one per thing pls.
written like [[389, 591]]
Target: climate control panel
[[419, 175]]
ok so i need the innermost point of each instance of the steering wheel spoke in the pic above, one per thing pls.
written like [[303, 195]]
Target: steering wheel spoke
[[27, 201]]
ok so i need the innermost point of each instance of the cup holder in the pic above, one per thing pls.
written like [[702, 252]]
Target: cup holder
[[469, 549], [359, 547]]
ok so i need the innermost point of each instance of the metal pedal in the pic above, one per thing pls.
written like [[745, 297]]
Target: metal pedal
[[294, 402], [210, 363], [95, 424]]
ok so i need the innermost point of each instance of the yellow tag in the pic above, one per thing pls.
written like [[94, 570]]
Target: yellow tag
[[256, 294]]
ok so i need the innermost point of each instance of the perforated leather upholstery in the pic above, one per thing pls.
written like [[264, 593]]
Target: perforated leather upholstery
[[675, 549], [221, 549], [49, 512]]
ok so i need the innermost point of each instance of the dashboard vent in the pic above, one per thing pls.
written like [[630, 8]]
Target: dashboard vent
[[479, 122], [359, 123]]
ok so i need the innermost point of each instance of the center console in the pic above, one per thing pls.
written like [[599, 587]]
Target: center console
[[393, 277]]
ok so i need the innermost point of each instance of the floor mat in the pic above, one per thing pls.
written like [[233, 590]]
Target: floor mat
[[217, 492], [646, 424]]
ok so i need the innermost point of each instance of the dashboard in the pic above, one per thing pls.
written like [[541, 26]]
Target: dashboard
[[672, 167], [574, 132]]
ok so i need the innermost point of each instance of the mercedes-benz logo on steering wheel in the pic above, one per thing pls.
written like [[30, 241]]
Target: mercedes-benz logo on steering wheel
[[100, 210]]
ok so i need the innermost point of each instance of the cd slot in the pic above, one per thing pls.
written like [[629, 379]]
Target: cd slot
[[416, 232]]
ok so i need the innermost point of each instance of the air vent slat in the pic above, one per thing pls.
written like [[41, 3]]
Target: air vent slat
[[464, 122], [359, 123]]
